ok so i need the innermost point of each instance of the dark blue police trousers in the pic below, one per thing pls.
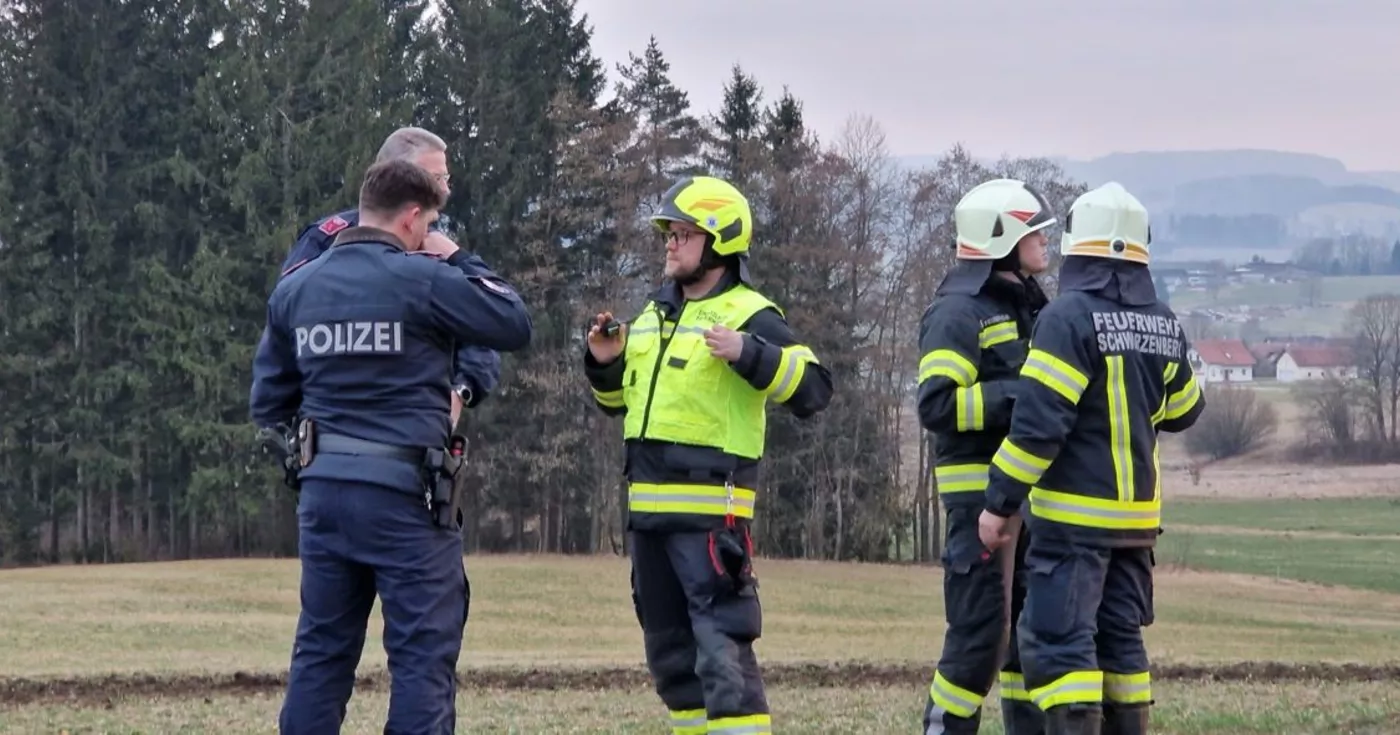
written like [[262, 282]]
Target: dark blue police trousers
[[356, 540]]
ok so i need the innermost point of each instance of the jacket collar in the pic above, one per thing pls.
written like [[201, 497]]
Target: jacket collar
[[362, 233]]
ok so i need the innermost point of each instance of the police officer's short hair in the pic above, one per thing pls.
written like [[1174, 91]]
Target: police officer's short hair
[[405, 144], [389, 186]]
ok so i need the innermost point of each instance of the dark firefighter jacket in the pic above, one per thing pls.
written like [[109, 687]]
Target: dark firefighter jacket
[[694, 424], [972, 339], [1107, 370]]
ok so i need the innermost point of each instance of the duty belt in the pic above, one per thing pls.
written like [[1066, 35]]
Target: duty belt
[[341, 444]]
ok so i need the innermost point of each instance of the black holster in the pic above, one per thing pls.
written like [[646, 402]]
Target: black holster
[[444, 482], [283, 445]]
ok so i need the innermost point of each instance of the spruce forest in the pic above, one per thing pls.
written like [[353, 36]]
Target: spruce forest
[[160, 156]]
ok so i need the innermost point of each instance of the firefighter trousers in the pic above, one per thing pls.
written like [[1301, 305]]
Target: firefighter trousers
[[356, 541], [698, 607], [982, 598], [1081, 631]]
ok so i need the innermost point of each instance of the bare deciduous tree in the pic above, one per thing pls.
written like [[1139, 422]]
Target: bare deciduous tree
[[1235, 422], [1375, 324]]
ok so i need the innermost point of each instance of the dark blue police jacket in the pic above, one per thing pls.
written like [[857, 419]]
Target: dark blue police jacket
[[476, 371], [360, 341]]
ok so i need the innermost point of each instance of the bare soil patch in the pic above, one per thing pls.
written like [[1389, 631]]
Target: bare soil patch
[[100, 690]]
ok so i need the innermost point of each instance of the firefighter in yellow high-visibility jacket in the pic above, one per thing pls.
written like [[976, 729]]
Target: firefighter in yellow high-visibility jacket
[[1107, 370], [692, 375]]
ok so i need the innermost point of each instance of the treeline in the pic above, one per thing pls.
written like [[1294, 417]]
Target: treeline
[[1352, 255], [160, 156]]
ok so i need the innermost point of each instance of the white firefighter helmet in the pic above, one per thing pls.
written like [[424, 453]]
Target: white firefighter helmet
[[993, 217], [1107, 222]]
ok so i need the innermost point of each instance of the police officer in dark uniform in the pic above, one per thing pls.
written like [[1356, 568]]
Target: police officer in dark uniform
[[476, 370], [973, 340], [1107, 371], [357, 351], [691, 376]]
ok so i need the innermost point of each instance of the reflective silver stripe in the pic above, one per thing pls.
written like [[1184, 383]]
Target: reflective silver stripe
[[1081, 686], [743, 729], [975, 475], [1122, 691], [957, 699], [971, 400], [793, 358], [644, 497], [1127, 515], [943, 362], [695, 721], [1120, 432], [996, 334], [1182, 399], [1065, 379], [1004, 456]]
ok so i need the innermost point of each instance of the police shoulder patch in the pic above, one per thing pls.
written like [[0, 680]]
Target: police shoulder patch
[[333, 225], [495, 286]]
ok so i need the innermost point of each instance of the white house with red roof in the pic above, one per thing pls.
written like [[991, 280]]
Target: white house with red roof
[[1315, 362], [1222, 361]]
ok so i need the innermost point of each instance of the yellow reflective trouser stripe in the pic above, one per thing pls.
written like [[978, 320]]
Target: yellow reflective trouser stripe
[[948, 364], [792, 367], [961, 478], [609, 398], [1078, 510], [1127, 688], [1183, 400], [1120, 447], [742, 725], [688, 722], [1019, 464], [644, 497], [1013, 686], [969, 408], [1079, 687], [1055, 374], [996, 334], [952, 698]]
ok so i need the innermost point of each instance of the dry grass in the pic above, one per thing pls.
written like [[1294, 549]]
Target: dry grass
[[1188, 708], [211, 617], [225, 616]]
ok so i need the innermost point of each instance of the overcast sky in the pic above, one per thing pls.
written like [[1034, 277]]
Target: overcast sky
[[1073, 77]]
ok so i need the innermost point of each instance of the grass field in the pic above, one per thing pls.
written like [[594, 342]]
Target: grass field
[[1248, 639], [1333, 289]]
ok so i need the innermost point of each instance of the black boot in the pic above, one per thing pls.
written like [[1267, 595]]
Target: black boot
[[1021, 717], [1074, 719], [938, 722], [1125, 719]]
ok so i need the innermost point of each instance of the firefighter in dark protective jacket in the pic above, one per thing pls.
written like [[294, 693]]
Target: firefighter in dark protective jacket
[[356, 353], [973, 340], [691, 376], [1107, 371]]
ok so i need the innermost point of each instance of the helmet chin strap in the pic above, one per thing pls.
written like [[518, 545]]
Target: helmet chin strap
[[709, 260]]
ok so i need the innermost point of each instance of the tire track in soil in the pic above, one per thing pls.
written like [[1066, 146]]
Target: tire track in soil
[[104, 690]]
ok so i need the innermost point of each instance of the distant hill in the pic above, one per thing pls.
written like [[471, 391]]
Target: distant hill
[[1261, 200]]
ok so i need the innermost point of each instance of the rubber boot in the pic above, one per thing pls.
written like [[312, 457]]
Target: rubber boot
[[1020, 717], [938, 722], [1074, 719], [1125, 719]]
